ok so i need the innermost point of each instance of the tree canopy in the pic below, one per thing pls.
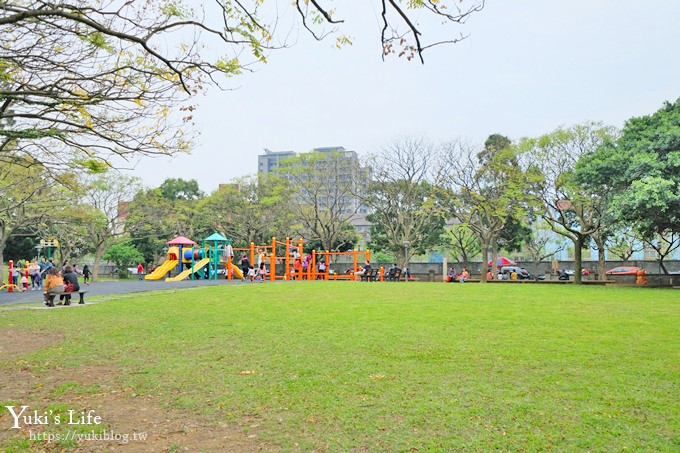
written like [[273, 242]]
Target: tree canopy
[[88, 83]]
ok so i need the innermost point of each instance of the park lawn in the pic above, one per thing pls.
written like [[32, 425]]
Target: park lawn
[[391, 367]]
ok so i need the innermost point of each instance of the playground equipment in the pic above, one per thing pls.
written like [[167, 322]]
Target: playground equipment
[[327, 257], [208, 255], [192, 270], [169, 264], [201, 262], [286, 259], [174, 258], [251, 257], [10, 286]]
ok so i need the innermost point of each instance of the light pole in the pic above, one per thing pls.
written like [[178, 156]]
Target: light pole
[[39, 248], [406, 270], [49, 245]]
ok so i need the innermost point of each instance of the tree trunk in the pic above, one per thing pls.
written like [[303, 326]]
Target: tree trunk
[[601, 263], [99, 252], [2, 267], [485, 258], [578, 249], [494, 258], [3, 240]]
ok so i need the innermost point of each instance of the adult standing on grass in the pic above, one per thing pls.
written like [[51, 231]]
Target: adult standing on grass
[[140, 271]]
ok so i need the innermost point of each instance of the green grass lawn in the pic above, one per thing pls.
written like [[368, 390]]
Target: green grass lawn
[[390, 367]]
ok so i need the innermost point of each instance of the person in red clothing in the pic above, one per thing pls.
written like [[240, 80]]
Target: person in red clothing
[[140, 271]]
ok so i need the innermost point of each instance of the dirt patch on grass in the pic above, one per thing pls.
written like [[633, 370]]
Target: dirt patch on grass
[[124, 413], [15, 342]]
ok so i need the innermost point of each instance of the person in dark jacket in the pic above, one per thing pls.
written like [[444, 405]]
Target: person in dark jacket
[[245, 265], [70, 280], [86, 274]]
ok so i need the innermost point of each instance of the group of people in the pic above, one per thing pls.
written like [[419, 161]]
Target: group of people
[[453, 276], [252, 273], [503, 275], [58, 282], [38, 271]]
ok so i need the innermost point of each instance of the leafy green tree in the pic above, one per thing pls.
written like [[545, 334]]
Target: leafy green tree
[[124, 256], [488, 188], [624, 243], [27, 198], [245, 211], [570, 207], [21, 245], [642, 170], [150, 223], [462, 243], [347, 240], [180, 189], [104, 204], [514, 235]]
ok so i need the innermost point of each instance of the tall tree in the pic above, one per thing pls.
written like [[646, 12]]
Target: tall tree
[[321, 189], [624, 243], [488, 189], [642, 169], [407, 209], [180, 189], [105, 198], [541, 244], [27, 198], [462, 243], [571, 208], [245, 211]]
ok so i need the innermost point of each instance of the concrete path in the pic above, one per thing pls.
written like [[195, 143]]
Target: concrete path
[[113, 287]]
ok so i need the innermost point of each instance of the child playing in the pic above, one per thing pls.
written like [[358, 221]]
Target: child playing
[[251, 273], [261, 273]]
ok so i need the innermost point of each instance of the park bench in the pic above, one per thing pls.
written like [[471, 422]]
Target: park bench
[[394, 275], [371, 276], [67, 297]]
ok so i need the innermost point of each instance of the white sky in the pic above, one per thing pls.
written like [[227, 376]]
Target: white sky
[[528, 67]]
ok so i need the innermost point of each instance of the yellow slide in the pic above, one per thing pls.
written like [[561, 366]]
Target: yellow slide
[[237, 271], [162, 270], [198, 265]]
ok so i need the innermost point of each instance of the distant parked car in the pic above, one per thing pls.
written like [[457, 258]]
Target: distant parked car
[[583, 272], [623, 270], [522, 273]]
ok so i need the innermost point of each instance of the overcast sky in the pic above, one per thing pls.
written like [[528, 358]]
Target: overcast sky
[[526, 68]]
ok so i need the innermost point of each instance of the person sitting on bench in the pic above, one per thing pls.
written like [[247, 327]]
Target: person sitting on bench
[[365, 271], [70, 278], [54, 284]]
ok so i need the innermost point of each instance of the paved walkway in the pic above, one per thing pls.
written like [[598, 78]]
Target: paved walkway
[[113, 287]]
